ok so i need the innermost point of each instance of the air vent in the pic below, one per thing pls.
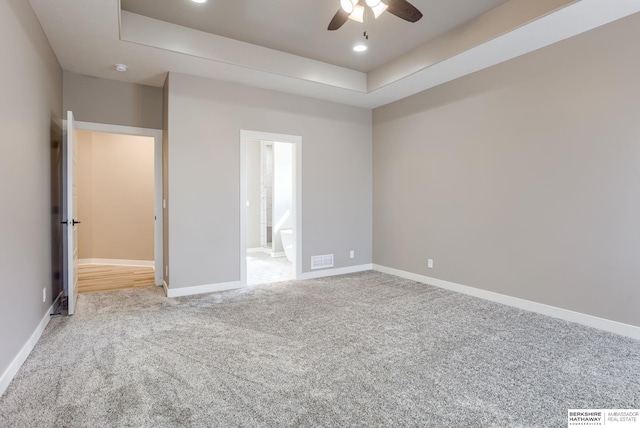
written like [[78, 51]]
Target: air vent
[[319, 262]]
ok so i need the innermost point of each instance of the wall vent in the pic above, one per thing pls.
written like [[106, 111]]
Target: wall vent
[[319, 262]]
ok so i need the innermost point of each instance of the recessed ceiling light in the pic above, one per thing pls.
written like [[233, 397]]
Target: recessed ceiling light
[[121, 67], [199, 1], [360, 47]]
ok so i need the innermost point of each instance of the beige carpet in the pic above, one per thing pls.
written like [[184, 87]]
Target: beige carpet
[[366, 349]]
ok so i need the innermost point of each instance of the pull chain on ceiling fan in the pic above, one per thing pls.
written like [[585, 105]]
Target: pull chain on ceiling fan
[[355, 10]]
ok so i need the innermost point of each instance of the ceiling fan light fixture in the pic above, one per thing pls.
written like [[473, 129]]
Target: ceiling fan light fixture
[[347, 5], [355, 10], [378, 9], [357, 14]]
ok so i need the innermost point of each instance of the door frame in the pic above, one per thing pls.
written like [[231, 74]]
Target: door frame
[[296, 142], [158, 237]]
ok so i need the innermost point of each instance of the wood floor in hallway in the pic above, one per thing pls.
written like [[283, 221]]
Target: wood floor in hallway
[[107, 277]]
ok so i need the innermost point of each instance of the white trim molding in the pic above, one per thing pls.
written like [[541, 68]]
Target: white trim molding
[[117, 262], [296, 141], [336, 271], [26, 349], [233, 285], [540, 308], [201, 289]]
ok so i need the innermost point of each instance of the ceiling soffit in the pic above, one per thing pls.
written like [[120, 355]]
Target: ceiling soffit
[[152, 48]]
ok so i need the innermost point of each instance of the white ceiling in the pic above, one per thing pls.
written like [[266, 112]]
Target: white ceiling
[[288, 48], [300, 27]]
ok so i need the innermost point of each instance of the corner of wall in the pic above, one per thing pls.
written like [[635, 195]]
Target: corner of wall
[[165, 179]]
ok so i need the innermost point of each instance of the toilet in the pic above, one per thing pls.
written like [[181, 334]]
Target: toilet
[[287, 243]]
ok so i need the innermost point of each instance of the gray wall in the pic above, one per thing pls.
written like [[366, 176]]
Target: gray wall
[[523, 179], [31, 99], [204, 123], [97, 100]]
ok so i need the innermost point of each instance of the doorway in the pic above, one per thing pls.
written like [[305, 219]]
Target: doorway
[[270, 220], [120, 207]]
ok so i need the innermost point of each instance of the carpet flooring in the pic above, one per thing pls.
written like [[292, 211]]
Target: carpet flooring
[[365, 349]]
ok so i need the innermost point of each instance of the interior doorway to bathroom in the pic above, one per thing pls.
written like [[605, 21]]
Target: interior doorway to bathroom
[[270, 207]]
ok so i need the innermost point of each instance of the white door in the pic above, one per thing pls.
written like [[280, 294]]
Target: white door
[[71, 214]]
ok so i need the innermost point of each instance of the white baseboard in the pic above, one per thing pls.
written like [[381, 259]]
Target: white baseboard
[[255, 250], [224, 286], [552, 311], [337, 271], [200, 289], [117, 262], [22, 356]]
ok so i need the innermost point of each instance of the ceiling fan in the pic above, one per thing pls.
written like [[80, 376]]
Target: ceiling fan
[[355, 10]]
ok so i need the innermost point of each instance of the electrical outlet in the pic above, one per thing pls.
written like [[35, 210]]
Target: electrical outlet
[[430, 263], [352, 254], [44, 295]]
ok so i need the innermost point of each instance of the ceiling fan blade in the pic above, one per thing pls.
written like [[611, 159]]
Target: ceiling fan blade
[[403, 9], [338, 20]]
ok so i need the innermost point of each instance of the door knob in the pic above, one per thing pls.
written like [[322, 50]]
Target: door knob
[[74, 222]]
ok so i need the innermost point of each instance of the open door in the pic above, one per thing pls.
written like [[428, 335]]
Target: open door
[[70, 156]]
